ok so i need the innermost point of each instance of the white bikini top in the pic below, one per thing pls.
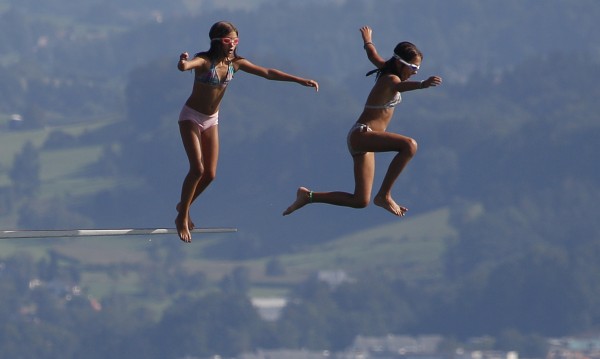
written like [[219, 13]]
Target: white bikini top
[[390, 104]]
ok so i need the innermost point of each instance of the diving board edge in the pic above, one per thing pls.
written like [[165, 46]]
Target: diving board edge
[[54, 233]]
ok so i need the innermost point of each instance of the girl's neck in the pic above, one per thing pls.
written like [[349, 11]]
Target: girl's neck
[[223, 60]]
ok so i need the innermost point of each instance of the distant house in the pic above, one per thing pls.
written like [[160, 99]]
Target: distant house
[[493, 354], [333, 277], [15, 122], [384, 347], [287, 354], [399, 345], [269, 308], [575, 348]]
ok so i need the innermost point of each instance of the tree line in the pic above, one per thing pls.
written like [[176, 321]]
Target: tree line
[[44, 317]]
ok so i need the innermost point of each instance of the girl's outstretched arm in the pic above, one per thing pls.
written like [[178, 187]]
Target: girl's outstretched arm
[[274, 74], [372, 54], [403, 86]]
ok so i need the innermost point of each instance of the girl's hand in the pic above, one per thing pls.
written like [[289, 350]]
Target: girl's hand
[[183, 57], [312, 83], [432, 81], [366, 33]]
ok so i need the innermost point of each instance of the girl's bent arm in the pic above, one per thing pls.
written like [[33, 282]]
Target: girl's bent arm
[[369, 47], [184, 64]]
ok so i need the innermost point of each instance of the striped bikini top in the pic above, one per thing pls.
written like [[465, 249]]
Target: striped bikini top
[[390, 104], [211, 77]]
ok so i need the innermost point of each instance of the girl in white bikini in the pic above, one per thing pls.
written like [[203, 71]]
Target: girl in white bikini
[[199, 118], [368, 135]]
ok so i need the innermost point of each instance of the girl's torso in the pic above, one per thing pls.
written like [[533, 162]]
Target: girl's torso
[[380, 104], [212, 77], [210, 83]]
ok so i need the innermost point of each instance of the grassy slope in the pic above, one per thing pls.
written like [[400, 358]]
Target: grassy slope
[[411, 247], [55, 163]]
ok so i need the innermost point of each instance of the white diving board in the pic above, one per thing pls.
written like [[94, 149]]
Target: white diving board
[[53, 233]]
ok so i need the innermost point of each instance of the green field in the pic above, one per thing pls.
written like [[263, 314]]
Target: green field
[[413, 245], [55, 164]]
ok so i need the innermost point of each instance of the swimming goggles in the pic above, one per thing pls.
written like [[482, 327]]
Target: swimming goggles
[[227, 40], [412, 66]]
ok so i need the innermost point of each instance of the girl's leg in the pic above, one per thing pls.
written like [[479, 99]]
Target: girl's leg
[[190, 137], [203, 153], [364, 171], [210, 150], [385, 142]]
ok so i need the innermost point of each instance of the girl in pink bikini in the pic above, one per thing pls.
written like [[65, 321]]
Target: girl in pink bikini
[[199, 118], [368, 135]]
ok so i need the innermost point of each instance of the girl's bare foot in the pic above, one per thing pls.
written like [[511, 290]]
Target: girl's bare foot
[[388, 204], [303, 197], [182, 228], [191, 224]]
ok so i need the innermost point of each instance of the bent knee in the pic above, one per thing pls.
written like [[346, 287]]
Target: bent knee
[[411, 147], [361, 202], [196, 171], [209, 176], [201, 173]]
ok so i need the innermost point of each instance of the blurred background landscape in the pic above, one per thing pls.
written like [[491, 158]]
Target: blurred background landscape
[[500, 241]]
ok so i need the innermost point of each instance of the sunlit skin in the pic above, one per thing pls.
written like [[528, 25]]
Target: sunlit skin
[[202, 148], [377, 140]]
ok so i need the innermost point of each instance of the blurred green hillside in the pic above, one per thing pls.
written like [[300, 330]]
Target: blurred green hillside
[[501, 235]]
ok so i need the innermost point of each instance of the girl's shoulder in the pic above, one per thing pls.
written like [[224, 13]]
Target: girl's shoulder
[[239, 61], [202, 56], [201, 62], [388, 79]]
